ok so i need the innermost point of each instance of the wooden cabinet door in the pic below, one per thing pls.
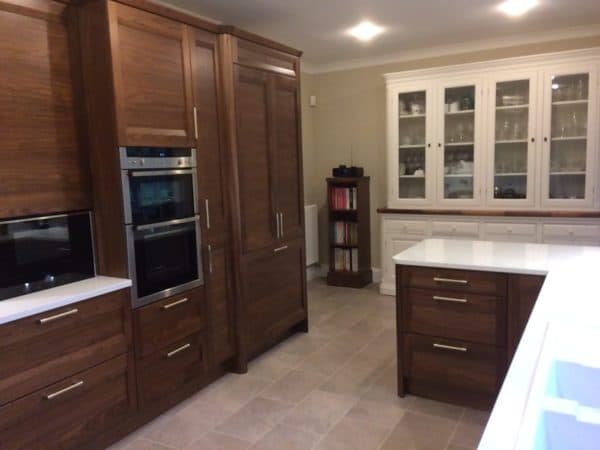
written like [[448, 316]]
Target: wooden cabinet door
[[151, 70], [211, 194], [42, 166], [257, 214], [274, 292], [288, 155], [218, 290]]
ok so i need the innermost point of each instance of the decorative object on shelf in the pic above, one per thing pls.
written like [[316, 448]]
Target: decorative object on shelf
[[349, 232]]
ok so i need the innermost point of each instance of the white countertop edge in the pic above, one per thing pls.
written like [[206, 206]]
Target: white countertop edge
[[481, 268], [38, 302]]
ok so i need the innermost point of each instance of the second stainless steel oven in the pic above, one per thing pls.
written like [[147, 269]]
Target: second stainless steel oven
[[161, 221]]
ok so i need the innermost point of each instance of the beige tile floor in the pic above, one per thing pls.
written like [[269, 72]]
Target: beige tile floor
[[331, 389]]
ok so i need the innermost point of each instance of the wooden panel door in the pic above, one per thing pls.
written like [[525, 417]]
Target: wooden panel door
[[288, 155], [152, 79], [211, 175], [274, 292], [254, 159], [218, 289], [42, 166]]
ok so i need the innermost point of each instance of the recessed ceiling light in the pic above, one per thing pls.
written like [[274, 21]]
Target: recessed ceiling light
[[517, 7], [365, 31]]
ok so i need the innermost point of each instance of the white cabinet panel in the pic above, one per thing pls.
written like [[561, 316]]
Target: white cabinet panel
[[571, 234], [413, 228], [511, 232], [392, 244], [456, 230]]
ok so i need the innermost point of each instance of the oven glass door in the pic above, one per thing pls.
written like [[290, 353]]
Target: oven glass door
[[167, 257], [161, 195]]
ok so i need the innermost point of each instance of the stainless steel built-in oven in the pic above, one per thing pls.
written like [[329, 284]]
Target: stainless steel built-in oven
[[161, 221]]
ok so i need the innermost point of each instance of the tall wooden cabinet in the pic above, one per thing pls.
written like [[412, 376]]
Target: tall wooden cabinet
[[43, 164], [262, 101]]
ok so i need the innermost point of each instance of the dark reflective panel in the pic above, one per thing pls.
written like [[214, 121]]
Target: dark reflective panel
[[37, 254]]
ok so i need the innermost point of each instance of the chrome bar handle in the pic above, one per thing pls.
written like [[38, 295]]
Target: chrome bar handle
[[64, 391], [439, 298], [450, 347], [177, 303], [210, 263], [178, 350], [449, 280], [280, 249], [277, 219], [58, 316], [207, 214], [281, 223], [195, 122]]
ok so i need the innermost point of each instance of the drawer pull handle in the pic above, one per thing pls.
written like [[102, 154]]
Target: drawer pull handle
[[450, 347], [449, 280], [63, 391], [439, 298], [58, 316], [177, 303], [178, 350], [280, 249]]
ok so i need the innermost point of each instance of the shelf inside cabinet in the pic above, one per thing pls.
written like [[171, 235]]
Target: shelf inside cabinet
[[570, 102], [459, 144], [411, 146], [460, 112], [411, 116], [417, 177], [511, 107], [512, 141], [569, 138], [458, 175], [511, 174], [568, 173]]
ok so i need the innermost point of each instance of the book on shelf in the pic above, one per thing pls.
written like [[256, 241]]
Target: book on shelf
[[343, 198], [345, 259], [345, 233]]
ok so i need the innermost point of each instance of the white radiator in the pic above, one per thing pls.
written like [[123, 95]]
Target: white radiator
[[311, 224]]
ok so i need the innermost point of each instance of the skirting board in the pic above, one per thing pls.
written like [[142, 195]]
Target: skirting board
[[320, 271]]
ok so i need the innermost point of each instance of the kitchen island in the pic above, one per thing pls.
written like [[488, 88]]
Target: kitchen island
[[567, 305]]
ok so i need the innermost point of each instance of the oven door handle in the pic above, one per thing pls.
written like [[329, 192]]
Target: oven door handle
[[167, 223], [154, 173]]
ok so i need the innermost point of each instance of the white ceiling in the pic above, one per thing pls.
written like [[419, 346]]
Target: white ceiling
[[318, 26]]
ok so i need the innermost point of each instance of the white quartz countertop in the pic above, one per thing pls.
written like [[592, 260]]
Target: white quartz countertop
[[569, 297], [41, 301]]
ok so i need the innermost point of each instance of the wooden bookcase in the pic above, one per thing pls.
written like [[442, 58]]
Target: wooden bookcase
[[349, 205]]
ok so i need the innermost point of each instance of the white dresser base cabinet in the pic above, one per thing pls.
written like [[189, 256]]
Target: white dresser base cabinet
[[400, 231]]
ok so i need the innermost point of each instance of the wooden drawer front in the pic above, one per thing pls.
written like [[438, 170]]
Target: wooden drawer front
[[70, 413], [167, 321], [571, 234], [456, 280], [42, 349], [251, 54], [469, 317], [460, 230], [171, 368], [453, 365], [413, 228], [514, 232]]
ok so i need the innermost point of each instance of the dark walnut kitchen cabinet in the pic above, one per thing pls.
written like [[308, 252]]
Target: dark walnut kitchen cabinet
[[43, 165], [261, 92], [66, 375], [216, 243], [458, 330]]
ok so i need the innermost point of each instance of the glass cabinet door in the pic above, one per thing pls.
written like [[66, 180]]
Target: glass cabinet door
[[459, 142], [568, 155], [412, 155], [513, 124]]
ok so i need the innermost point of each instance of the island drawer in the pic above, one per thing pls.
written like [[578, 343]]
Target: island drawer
[[71, 413], [173, 367], [453, 370], [470, 317], [43, 349], [455, 280], [167, 321]]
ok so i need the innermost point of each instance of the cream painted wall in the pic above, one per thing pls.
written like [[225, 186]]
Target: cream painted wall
[[350, 118]]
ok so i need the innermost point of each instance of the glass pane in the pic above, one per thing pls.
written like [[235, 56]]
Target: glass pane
[[411, 151], [569, 136], [510, 148], [459, 126]]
